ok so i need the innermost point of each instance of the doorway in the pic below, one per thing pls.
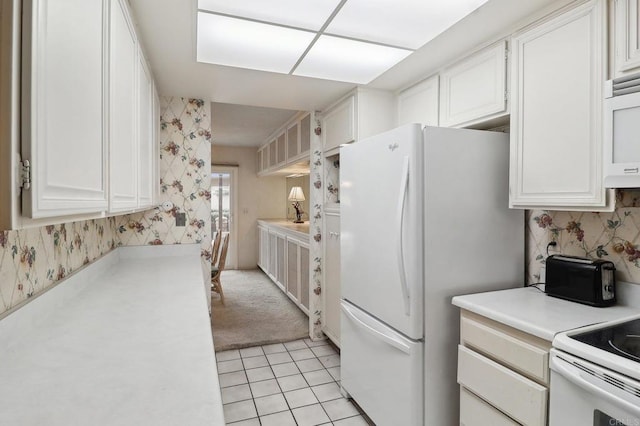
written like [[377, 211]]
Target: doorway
[[224, 208]]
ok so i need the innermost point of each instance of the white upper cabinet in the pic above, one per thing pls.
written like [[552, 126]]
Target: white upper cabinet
[[338, 124], [475, 89], [419, 103], [362, 113], [123, 115], [626, 37], [557, 75], [287, 151], [145, 134], [63, 125]]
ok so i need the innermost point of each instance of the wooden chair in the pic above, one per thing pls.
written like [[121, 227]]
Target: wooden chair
[[215, 249], [216, 285]]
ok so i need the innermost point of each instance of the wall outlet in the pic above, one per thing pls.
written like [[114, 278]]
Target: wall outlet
[[181, 219]]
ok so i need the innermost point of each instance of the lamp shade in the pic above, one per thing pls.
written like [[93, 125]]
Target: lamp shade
[[296, 194]]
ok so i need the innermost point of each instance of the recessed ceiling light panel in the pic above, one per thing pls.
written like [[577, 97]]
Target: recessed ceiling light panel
[[246, 44], [406, 23], [340, 59], [307, 14]]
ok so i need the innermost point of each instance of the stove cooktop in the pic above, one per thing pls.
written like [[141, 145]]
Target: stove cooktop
[[621, 339]]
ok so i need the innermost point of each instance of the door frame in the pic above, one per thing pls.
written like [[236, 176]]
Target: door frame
[[232, 252]]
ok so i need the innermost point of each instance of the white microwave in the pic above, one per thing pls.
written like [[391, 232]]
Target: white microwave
[[622, 132]]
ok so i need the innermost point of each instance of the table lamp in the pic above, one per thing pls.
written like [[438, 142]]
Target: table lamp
[[296, 195]]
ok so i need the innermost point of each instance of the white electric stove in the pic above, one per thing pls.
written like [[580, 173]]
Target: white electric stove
[[595, 375]]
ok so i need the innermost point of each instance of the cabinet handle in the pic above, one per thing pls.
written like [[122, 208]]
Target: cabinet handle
[[634, 170]]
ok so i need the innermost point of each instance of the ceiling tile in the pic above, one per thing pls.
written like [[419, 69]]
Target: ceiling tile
[[407, 23], [308, 14], [246, 44], [340, 59]]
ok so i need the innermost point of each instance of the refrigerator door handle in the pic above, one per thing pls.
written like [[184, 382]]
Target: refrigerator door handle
[[398, 344], [399, 240]]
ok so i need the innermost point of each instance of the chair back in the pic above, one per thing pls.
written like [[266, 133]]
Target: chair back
[[223, 253], [215, 248]]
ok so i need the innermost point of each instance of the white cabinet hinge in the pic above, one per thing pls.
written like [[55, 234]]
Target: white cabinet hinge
[[506, 95], [25, 174]]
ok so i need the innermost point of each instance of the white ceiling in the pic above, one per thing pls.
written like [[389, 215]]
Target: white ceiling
[[168, 33], [243, 125]]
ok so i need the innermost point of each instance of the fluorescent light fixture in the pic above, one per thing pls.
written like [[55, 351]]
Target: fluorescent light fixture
[[307, 14], [341, 59], [355, 40], [406, 23], [246, 44]]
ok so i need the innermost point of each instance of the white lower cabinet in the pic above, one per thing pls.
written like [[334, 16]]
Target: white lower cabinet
[[503, 374], [474, 411], [284, 257], [331, 288]]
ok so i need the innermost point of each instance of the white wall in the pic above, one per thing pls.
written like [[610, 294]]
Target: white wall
[[258, 198]]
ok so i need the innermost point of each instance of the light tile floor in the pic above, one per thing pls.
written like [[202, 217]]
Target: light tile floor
[[293, 383]]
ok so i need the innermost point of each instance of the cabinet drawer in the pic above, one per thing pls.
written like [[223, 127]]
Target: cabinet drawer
[[474, 411], [525, 357], [520, 398]]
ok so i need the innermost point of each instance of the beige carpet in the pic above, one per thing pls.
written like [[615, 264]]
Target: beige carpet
[[255, 312]]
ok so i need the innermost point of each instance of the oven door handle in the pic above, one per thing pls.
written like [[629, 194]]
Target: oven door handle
[[573, 375]]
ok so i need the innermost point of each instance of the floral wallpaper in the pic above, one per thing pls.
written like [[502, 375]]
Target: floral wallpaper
[[315, 242], [332, 179], [185, 180], [614, 236], [33, 259]]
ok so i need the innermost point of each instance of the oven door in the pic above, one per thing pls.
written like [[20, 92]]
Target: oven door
[[582, 393]]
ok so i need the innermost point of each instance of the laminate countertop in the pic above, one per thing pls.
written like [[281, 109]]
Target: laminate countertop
[[125, 341], [300, 228], [533, 312]]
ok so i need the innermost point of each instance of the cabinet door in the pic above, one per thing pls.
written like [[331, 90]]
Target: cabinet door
[[419, 104], [263, 244], [474, 90], [273, 249], [273, 159], [281, 148], [293, 141], [123, 152], [305, 134], [63, 125], [265, 158], [556, 112], [626, 37], [145, 134], [155, 145], [331, 289], [304, 277], [259, 154], [281, 261], [293, 269], [338, 124]]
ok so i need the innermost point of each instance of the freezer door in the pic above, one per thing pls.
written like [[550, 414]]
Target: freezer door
[[381, 369], [381, 227]]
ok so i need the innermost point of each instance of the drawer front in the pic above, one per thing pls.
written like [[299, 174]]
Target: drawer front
[[474, 411], [530, 360], [518, 397]]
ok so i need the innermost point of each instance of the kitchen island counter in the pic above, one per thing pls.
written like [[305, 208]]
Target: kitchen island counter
[[124, 341]]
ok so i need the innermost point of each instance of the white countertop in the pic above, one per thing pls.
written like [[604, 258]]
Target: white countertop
[[125, 341], [531, 311], [299, 228]]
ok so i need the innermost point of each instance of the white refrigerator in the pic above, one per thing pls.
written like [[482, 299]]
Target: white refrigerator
[[424, 217]]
